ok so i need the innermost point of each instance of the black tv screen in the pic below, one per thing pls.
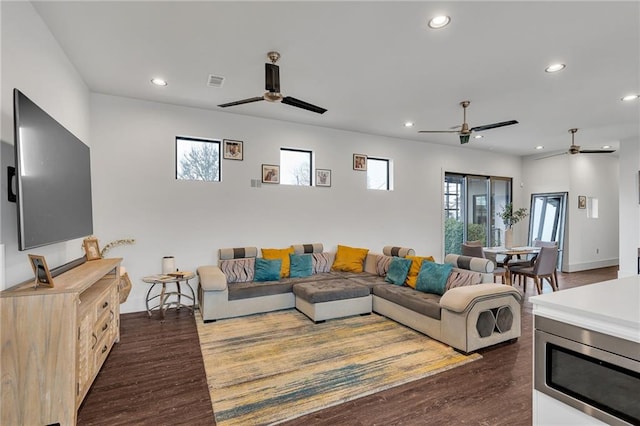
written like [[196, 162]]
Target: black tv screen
[[53, 178]]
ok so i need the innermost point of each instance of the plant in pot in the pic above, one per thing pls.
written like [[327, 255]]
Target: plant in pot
[[509, 218]]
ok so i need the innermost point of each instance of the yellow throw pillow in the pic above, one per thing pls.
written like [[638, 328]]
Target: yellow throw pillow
[[282, 254], [416, 264], [349, 259]]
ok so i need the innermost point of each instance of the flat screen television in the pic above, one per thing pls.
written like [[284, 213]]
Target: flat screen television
[[53, 178]]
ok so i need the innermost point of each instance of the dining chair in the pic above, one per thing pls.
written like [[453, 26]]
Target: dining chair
[[530, 262], [477, 251], [543, 268]]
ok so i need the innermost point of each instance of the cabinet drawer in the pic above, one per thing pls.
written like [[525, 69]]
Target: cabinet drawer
[[103, 324], [101, 352], [104, 304]]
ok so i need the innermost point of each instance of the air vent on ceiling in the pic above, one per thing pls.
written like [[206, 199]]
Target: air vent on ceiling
[[215, 81]]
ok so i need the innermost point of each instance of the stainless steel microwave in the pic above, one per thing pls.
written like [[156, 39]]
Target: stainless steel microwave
[[593, 372]]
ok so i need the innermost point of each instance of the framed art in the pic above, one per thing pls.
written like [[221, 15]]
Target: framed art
[[323, 177], [582, 201], [359, 162], [41, 271], [91, 248], [270, 173], [232, 150]]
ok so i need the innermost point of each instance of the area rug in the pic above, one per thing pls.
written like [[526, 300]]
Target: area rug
[[268, 368]]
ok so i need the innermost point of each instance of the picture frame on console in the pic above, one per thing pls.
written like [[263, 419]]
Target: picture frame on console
[[360, 162], [323, 177], [270, 173], [232, 150], [41, 271], [91, 248]]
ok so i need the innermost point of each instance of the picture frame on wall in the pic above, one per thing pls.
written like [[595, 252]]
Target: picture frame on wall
[[232, 150], [270, 173], [323, 177], [91, 248], [582, 201], [41, 271], [360, 162]]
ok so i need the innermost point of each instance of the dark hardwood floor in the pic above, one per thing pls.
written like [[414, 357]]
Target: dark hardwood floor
[[155, 376]]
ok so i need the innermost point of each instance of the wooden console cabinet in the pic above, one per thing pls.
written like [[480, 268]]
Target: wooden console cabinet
[[54, 342]]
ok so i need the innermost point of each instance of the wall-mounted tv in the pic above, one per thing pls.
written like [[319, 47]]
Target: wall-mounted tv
[[53, 178]]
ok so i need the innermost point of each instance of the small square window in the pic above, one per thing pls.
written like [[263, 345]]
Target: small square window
[[197, 159], [377, 173], [295, 167]]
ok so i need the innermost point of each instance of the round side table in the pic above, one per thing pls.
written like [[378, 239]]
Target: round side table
[[163, 302]]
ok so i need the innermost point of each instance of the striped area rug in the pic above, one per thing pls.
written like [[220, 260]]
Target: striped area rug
[[268, 368]]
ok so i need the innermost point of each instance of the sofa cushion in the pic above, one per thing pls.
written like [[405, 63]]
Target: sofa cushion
[[239, 291], [301, 265], [238, 270], [382, 264], [237, 253], [283, 255], [322, 262], [349, 259], [327, 291], [307, 248], [423, 303], [268, 269], [433, 277], [416, 264], [367, 280], [398, 269]]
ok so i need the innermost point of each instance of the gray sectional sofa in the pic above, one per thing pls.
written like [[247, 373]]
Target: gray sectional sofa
[[466, 317]]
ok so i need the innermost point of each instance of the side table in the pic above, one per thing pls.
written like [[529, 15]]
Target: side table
[[163, 298]]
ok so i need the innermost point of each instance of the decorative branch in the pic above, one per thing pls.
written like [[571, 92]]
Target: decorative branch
[[116, 243], [510, 217]]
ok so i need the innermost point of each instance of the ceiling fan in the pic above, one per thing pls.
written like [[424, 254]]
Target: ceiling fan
[[575, 149], [465, 131], [272, 87]]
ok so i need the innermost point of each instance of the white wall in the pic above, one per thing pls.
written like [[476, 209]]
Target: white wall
[[590, 243], [136, 194], [629, 206], [33, 62]]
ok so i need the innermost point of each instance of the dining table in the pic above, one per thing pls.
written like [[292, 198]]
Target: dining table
[[509, 254]]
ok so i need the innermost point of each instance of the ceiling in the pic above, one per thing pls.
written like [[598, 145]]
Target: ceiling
[[375, 65]]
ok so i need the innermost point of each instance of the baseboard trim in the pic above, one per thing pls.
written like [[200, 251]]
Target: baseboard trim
[[577, 267]]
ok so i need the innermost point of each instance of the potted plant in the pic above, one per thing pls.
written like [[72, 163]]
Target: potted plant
[[509, 218]]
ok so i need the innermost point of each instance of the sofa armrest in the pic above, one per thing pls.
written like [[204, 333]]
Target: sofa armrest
[[459, 299], [212, 278]]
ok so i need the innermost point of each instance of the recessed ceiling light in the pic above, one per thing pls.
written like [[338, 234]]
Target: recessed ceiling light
[[606, 147], [159, 81], [555, 67], [631, 97], [478, 137], [439, 22], [539, 147], [408, 124]]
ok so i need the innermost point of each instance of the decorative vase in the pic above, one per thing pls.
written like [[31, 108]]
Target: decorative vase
[[508, 238]]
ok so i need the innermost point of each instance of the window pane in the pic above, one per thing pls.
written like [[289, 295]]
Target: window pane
[[197, 159], [377, 174], [295, 167]]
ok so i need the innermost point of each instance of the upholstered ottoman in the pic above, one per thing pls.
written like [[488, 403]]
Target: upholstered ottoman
[[337, 298]]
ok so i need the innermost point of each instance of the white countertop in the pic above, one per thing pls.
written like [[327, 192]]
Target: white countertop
[[610, 307]]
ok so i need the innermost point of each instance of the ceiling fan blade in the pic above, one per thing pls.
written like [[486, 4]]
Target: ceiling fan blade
[[438, 131], [302, 104], [552, 155], [271, 78], [243, 101], [493, 126], [597, 151]]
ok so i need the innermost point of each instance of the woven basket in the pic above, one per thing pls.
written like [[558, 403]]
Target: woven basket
[[124, 287]]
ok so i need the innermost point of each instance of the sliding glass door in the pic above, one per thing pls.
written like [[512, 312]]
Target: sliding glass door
[[470, 206], [548, 216]]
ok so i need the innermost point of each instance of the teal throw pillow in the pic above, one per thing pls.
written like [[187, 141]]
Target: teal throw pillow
[[267, 270], [301, 265], [433, 277], [398, 270]]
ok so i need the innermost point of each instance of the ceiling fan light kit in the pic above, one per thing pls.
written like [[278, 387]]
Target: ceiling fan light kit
[[465, 131], [272, 87]]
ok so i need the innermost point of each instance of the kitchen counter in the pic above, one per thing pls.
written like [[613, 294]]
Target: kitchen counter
[[610, 307]]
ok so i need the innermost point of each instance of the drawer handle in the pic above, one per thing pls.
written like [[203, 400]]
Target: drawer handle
[[95, 340], [104, 349], [105, 326], [105, 304]]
